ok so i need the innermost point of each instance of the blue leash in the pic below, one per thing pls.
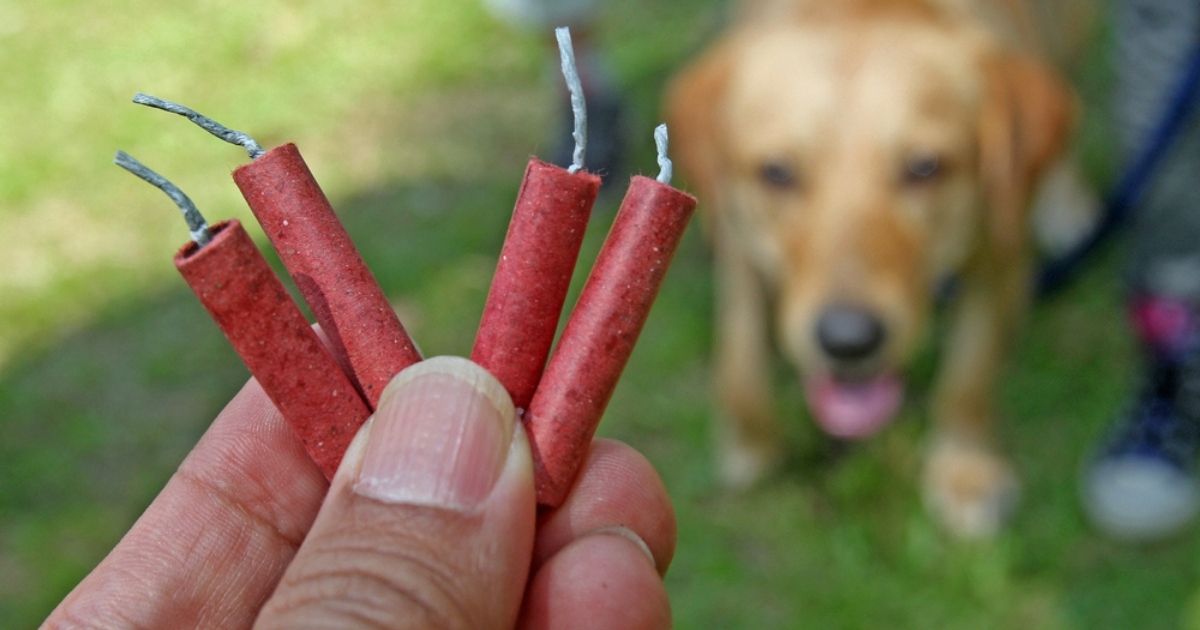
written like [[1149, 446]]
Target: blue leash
[[1057, 273]]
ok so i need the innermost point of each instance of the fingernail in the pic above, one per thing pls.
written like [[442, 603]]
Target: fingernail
[[440, 436], [631, 536]]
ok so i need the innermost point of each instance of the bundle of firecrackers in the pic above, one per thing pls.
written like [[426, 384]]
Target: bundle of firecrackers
[[326, 389]]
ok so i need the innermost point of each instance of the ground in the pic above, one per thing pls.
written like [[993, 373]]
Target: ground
[[418, 117]]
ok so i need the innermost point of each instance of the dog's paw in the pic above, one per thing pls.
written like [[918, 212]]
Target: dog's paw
[[970, 488], [1065, 211], [742, 464]]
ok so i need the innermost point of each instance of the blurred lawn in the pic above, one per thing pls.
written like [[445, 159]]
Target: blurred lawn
[[417, 117]]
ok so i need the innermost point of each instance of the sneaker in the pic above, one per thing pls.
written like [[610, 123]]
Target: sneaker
[[1143, 486]]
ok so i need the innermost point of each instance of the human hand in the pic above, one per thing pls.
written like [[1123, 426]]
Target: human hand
[[429, 522]]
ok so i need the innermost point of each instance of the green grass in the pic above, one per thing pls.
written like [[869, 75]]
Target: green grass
[[417, 117]]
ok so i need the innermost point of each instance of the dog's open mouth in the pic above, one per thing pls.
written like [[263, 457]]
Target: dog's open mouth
[[854, 409]]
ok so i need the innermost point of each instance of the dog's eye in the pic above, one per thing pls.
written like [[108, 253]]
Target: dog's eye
[[777, 175], [920, 169]]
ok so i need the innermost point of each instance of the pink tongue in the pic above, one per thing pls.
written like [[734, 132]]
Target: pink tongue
[[854, 410]]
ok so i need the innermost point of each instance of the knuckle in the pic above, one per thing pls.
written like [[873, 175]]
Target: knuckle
[[342, 582]]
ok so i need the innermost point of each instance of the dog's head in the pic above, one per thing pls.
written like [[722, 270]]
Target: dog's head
[[858, 156]]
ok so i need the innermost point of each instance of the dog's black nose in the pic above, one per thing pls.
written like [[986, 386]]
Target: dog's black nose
[[848, 332]]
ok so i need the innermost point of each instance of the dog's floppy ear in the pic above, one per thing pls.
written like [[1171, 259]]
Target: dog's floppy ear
[[692, 101], [1026, 119]]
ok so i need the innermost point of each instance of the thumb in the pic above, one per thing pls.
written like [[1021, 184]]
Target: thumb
[[429, 521]]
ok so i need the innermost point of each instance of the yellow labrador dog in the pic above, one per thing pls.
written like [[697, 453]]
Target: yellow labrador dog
[[852, 155]]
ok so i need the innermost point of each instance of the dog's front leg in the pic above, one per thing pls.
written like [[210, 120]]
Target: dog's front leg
[[968, 483], [747, 436]]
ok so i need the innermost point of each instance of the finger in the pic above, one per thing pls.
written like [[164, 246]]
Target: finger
[[213, 544], [430, 519], [617, 487], [602, 580]]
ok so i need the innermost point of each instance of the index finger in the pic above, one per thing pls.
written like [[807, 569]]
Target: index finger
[[213, 544], [617, 487]]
